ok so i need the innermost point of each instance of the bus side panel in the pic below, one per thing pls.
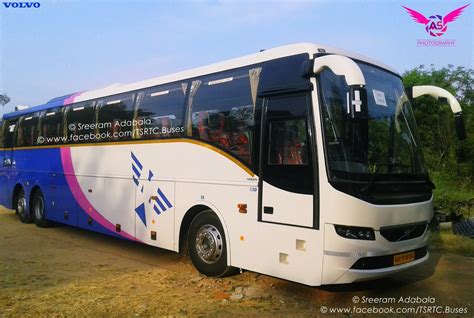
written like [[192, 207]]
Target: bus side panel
[[155, 213], [41, 168], [47, 169], [103, 203], [283, 251]]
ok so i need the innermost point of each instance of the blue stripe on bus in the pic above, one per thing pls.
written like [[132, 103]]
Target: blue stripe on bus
[[156, 210], [168, 203], [136, 181], [150, 175], [163, 208], [136, 161], [141, 213], [137, 173]]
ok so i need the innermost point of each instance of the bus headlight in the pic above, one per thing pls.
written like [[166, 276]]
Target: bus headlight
[[355, 232]]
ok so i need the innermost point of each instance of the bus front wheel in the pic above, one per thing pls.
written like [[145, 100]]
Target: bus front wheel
[[38, 209], [207, 245]]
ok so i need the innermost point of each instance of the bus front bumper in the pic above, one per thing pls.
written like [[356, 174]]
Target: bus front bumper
[[357, 275], [365, 260]]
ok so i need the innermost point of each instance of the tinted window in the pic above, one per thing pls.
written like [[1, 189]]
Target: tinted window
[[287, 152], [9, 131], [27, 130], [160, 112], [222, 110], [288, 142], [115, 117], [80, 120], [51, 124]]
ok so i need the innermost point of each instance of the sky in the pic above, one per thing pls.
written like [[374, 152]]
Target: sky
[[69, 46]]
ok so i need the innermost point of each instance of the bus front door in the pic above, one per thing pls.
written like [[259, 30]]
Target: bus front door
[[287, 171]]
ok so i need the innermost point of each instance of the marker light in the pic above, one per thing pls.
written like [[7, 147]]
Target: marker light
[[242, 208], [355, 232]]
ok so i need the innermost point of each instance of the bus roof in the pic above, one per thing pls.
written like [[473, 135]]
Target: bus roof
[[262, 56]]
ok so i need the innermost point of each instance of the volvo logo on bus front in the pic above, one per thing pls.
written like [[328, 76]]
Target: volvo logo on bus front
[[406, 233]]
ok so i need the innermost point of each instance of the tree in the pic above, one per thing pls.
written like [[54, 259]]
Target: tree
[[436, 123], [4, 99]]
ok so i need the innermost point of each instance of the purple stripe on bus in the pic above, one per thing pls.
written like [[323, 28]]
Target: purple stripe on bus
[[71, 98]]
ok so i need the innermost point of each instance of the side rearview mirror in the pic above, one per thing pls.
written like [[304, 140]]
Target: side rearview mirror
[[443, 96]]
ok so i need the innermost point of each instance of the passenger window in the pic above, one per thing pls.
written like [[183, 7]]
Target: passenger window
[[27, 130], [80, 121], [222, 110], [51, 125], [160, 112], [8, 132], [115, 117], [288, 142]]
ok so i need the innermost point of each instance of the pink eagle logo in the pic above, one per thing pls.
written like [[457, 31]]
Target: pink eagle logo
[[435, 25]]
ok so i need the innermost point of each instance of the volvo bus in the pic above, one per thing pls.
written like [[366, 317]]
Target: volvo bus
[[301, 162]]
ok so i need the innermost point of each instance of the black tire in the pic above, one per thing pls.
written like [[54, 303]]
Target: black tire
[[207, 245], [38, 210], [21, 210]]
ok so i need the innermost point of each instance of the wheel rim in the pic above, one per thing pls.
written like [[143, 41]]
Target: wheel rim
[[209, 244], [21, 205], [39, 206]]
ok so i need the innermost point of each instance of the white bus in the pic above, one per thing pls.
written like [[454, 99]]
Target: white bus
[[301, 162]]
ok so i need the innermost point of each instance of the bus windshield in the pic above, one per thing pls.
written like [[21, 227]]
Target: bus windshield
[[393, 145]]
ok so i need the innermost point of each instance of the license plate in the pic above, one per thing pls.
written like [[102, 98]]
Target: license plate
[[403, 258]]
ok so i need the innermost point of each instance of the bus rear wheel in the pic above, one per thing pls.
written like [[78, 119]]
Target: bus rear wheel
[[38, 209], [20, 208], [207, 245]]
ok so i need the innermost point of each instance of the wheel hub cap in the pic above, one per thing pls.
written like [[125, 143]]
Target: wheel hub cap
[[209, 244], [21, 205]]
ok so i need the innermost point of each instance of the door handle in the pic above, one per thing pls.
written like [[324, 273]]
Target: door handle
[[268, 209], [7, 162]]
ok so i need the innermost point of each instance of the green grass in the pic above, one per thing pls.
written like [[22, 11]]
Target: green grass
[[447, 242], [450, 189]]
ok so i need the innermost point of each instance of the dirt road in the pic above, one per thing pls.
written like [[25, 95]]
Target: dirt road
[[63, 271]]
